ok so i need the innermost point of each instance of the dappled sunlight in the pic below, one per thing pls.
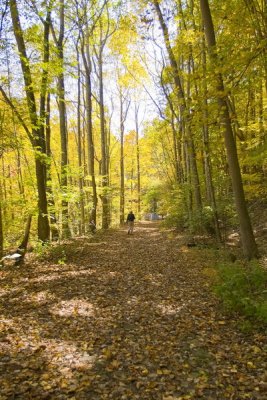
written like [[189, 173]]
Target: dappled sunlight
[[57, 276], [134, 300], [155, 279], [8, 291], [39, 298], [51, 363], [73, 307], [67, 356], [94, 244], [170, 309], [141, 320], [184, 249]]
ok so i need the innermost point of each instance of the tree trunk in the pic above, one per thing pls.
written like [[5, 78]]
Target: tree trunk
[[1, 227], [63, 123], [104, 158], [85, 50], [79, 134], [122, 188], [138, 163], [37, 137], [24, 243], [248, 241], [206, 147], [184, 113]]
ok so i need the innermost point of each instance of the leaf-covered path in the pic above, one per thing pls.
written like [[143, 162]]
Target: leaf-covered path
[[125, 317]]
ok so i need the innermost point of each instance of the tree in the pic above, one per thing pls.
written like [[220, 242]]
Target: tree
[[62, 117], [36, 132], [185, 117], [248, 241]]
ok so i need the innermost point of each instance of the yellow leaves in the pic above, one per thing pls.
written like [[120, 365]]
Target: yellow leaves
[[210, 272], [256, 349], [250, 364], [144, 372], [107, 353], [163, 371], [45, 385], [115, 364]]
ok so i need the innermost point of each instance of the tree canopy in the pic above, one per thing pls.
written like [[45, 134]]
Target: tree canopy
[[107, 106]]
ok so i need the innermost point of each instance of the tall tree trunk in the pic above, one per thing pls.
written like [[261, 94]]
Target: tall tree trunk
[[124, 108], [85, 50], [206, 148], [138, 168], [184, 113], [79, 134], [104, 156], [37, 136], [248, 241], [122, 188], [50, 195], [63, 122], [1, 225]]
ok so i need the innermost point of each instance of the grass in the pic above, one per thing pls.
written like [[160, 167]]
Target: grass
[[243, 289]]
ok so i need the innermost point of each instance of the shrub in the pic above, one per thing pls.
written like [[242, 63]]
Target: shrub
[[243, 288]]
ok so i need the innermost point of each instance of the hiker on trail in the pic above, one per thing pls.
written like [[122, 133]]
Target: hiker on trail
[[130, 221]]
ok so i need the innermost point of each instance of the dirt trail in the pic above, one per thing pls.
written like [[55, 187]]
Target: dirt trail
[[123, 317]]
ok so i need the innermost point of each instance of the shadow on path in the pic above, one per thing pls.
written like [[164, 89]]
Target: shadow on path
[[124, 317]]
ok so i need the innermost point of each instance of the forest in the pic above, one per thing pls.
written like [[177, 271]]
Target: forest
[[155, 106], [158, 107]]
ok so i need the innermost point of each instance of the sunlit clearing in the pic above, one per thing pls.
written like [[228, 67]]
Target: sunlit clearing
[[73, 307]]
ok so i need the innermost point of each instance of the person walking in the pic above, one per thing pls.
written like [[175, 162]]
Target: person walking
[[130, 221]]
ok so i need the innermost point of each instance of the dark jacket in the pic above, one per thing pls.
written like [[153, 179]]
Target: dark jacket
[[130, 217]]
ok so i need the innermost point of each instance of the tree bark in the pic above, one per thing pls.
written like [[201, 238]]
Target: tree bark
[[122, 188], [85, 50], [206, 148], [247, 238], [79, 134], [63, 122], [138, 168], [37, 135], [184, 112], [1, 227], [104, 157]]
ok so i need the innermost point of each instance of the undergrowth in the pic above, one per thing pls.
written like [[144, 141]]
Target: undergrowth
[[243, 289]]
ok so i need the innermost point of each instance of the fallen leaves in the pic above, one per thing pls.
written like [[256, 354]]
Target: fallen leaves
[[114, 323]]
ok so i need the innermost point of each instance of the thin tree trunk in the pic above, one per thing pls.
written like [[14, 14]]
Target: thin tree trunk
[[79, 134], [85, 50], [63, 123], [183, 108], [206, 147], [247, 238], [138, 168], [50, 195], [104, 164], [24, 243], [1, 226], [122, 188]]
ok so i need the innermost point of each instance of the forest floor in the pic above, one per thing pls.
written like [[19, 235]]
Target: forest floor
[[124, 317]]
